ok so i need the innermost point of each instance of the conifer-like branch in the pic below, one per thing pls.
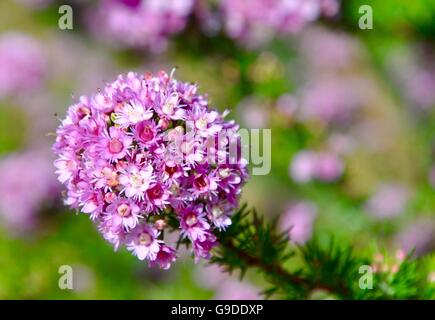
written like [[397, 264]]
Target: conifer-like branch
[[251, 243]]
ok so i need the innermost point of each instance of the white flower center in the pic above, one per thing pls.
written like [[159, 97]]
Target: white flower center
[[136, 181], [124, 210], [216, 212], [201, 124], [224, 173], [168, 108], [145, 239], [135, 113], [191, 219]]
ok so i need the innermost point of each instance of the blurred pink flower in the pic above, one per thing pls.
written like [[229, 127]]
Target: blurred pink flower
[[330, 99], [389, 201], [22, 64], [342, 144], [414, 73], [226, 286], [327, 50], [309, 165], [253, 112], [287, 105], [298, 220], [255, 22], [302, 167], [418, 236], [329, 167], [236, 290], [211, 276], [140, 24], [27, 183]]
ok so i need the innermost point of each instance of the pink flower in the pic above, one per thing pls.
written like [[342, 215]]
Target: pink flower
[[92, 203], [298, 220], [203, 122], [123, 213], [105, 176], [142, 241], [146, 133], [136, 180], [113, 234], [171, 108], [193, 223], [114, 144], [131, 113], [203, 246], [171, 172], [67, 166], [165, 257], [204, 184], [219, 214], [158, 196]]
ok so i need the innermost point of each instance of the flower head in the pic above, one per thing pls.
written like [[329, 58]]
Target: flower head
[[135, 158]]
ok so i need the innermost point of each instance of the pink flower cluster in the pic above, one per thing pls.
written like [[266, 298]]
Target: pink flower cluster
[[257, 21], [133, 157], [140, 23]]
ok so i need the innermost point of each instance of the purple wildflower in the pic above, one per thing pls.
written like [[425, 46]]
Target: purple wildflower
[[135, 153]]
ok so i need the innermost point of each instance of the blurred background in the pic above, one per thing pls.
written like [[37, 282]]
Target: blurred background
[[352, 113]]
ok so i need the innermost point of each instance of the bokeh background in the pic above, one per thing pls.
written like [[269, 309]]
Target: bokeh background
[[351, 112]]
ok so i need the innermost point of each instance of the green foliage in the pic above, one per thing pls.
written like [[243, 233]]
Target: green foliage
[[250, 242]]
